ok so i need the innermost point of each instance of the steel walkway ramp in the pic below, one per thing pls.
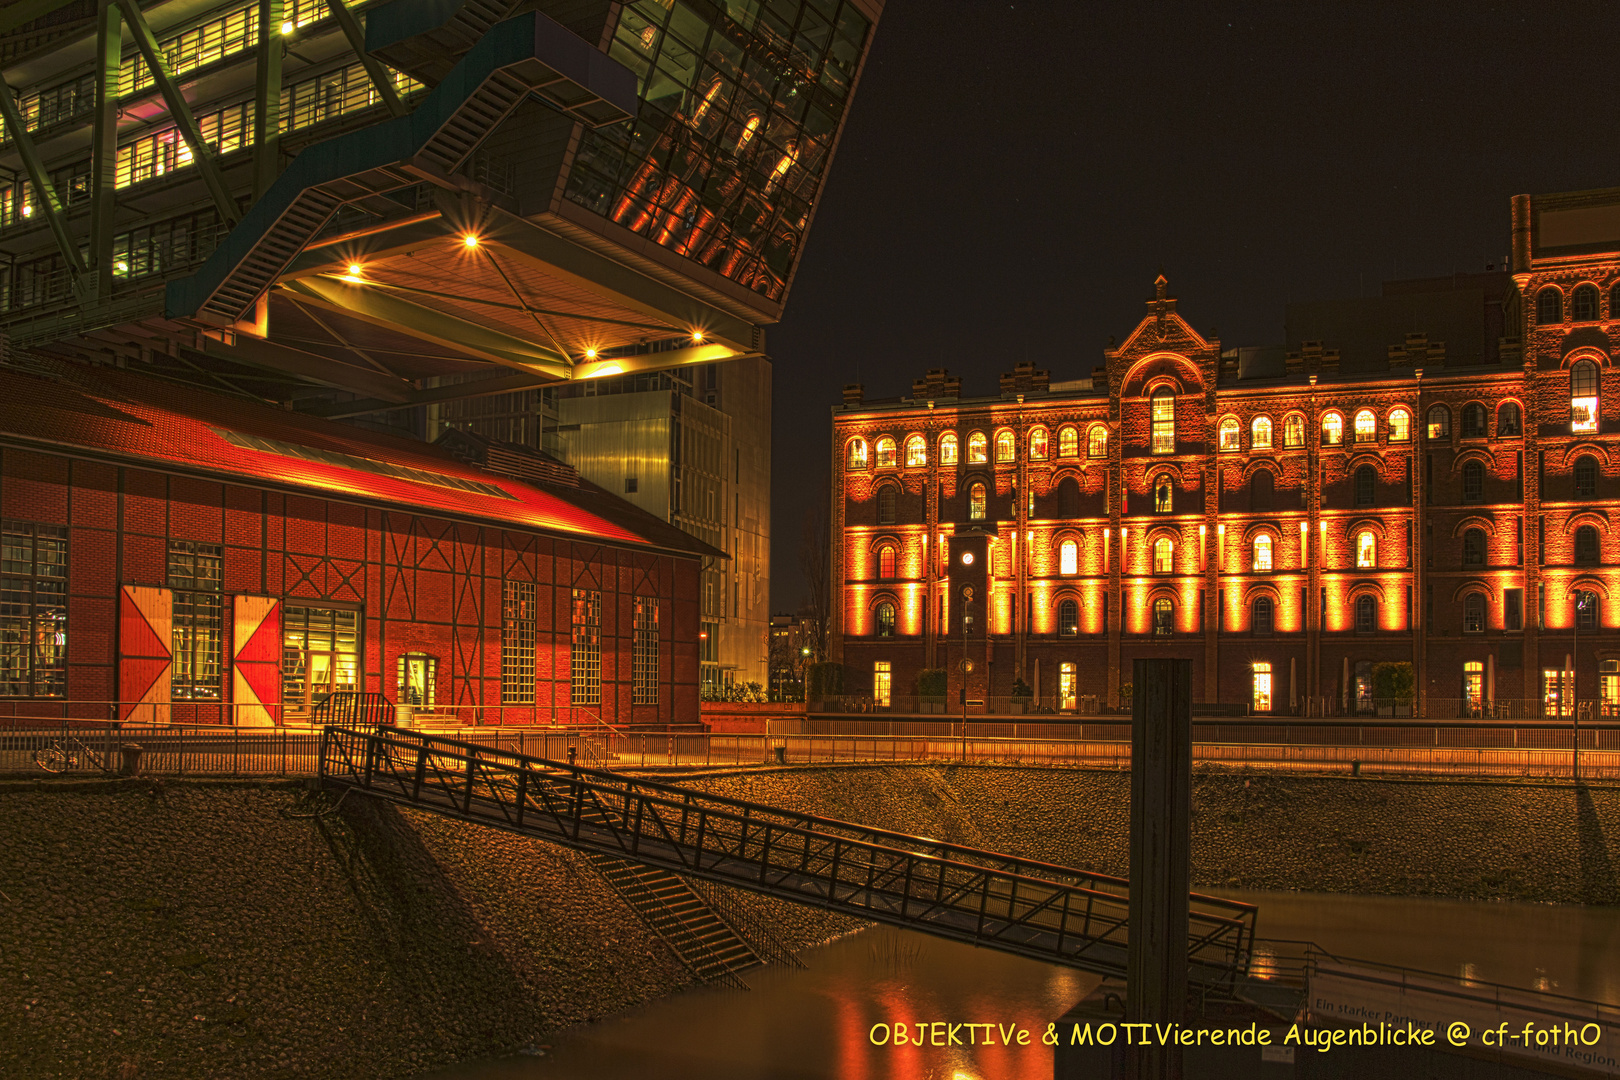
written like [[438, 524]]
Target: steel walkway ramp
[[1043, 911]]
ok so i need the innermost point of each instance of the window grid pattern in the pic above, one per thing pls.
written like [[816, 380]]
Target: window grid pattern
[[586, 686], [195, 574], [644, 652], [33, 610], [517, 643]]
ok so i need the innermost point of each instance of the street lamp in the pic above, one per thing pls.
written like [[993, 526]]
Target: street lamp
[[1583, 601]]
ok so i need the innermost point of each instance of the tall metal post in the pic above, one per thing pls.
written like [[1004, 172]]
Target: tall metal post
[[267, 91], [104, 148], [1161, 843]]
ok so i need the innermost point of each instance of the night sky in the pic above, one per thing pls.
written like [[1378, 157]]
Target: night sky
[[1013, 176]]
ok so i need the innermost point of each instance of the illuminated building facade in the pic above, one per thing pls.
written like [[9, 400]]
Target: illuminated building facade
[[1288, 523]]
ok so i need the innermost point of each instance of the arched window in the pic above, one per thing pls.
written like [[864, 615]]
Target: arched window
[[1068, 618], [916, 450], [1474, 549], [885, 619], [1097, 441], [1439, 422], [1068, 442], [886, 561], [1586, 546], [1400, 426], [1068, 497], [1366, 550], [1549, 307], [1508, 424], [1586, 610], [1614, 309], [1586, 477], [1262, 551], [1163, 433], [1164, 556], [1474, 613], [1583, 396], [885, 453], [978, 448], [1068, 558], [1261, 487], [1260, 433], [1473, 421], [1473, 482], [1164, 497], [1332, 429], [1037, 444], [887, 497], [1006, 449], [1366, 426], [1231, 437], [1164, 617], [947, 448], [1366, 485], [1583, 304], [1294, 430], [1366, 614], [1262, 621], [857, 454], [976, 502]]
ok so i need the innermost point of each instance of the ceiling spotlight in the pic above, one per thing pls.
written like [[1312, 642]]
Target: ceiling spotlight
[[355, 269], [470, 240], [697, 336], [590, 354]]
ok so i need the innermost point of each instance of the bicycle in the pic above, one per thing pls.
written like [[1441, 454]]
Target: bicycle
[[67, 753]]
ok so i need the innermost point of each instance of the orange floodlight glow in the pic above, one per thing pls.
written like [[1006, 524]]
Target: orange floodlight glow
[[590, 354], [697, 337], [355, 269], [470, 240]]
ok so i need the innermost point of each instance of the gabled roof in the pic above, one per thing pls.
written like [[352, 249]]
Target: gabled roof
[[115, 414]]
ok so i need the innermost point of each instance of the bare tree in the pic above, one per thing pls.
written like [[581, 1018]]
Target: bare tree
[[816, 565]]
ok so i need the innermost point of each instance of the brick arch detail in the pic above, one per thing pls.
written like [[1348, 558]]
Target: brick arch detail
[[1474, 585], [1595, 518], [1474, 521], [1581, 449]]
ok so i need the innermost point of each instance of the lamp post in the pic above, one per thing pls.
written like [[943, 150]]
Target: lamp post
[[1582, 600]]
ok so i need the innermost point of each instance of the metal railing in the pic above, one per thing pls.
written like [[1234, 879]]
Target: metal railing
[[1058, 914]]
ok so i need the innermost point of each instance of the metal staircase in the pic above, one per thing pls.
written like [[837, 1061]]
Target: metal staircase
[[684, 920], [1052, 913]]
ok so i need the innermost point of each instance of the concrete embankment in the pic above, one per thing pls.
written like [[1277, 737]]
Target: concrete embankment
[[204, 930]]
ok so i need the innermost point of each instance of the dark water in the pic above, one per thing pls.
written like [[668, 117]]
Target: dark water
[[815, 1022]]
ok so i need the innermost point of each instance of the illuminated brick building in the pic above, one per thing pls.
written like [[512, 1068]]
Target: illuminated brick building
[[1288, 523]]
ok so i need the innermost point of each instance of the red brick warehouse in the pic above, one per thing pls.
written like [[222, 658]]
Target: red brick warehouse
[[1287, 517], [175, 556]]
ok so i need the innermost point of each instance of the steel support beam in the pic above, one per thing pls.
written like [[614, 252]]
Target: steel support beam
[[104, 147], [267, 99], [311, 367], [180, 112], [380, 308], [44, 193], [374, 68]]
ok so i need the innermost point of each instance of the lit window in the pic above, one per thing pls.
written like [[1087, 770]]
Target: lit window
[[1068, 618], [1260, 433], [1400, 426], [1294, 431], [1164, 421], [1474, 683], [947, 448], [1583, 396], [1262, 552], [1439, 422], [747, 135], [881, 683], [1164, 556], [1068, 442], [976, 502], [885, 619], [1366, 550], [1005, 450], [1583, 304], [1163, 495], [1262, 622], [1230, 437], [1164, 617], [978, 448], [1068, 558], [1260, 699], [1097, 442], [1366, 614], [886, 561], [1366, 426], [857, 454], [1332, 429], [1037, 444], [916, 451], [885, 453]]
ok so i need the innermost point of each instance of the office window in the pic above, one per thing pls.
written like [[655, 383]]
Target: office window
[[885, 453], [1366, 550], [1231, 437], [517, 643], [1513, 609], [1163, 435], [881, 683], [857, 454], [1006, 449], [198, 631], [1583, 304], [1583, 396], [888, 496], [1262, 552], [1473, 549], [1260, 433], [916, 451], [1294, 430], [1366, 614], [1400, 426], [1366, 485], [1261, 621], [1366, 426], [1549, 306], [1473, 482], [1068, 558], [947, 448], [885, 619], [1586, 546], [1332, 429], [1164, 556], [1474, 613], [1068, 442], [1473, 421], [1068, 618], [1037, 444], [1439, 422], [33, 610], [586, 685], [1097, 441], [976, 502], [1508, 423], [978, 448], [1586, 477]]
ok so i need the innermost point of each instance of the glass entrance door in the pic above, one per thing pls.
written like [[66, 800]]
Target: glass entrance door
[[1261, 698], [320, 651], [1066, 688]]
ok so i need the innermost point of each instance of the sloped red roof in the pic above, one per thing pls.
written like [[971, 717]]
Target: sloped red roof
[[116, 413]]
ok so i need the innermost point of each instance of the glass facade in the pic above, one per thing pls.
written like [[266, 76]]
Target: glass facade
[[195, 572], [740, 101], [33, 610], [320, 654]]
